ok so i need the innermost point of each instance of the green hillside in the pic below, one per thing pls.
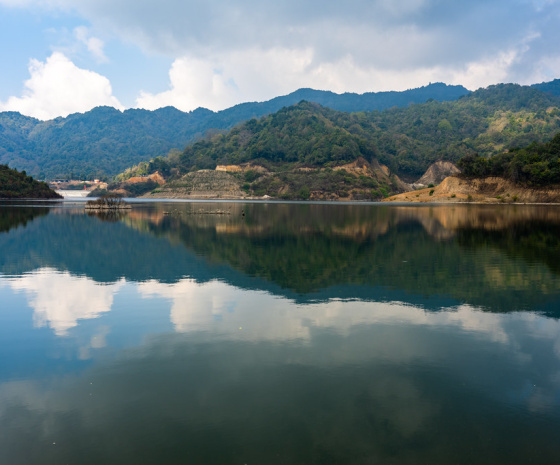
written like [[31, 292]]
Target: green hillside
[[486, 122], [535, 165], [407, 140], [552, 87], [393, 127], [16, 185], [104, 141]]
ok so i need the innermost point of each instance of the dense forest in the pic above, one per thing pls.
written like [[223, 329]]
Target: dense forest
[[535, 165], [104, 141], [407, 140], [407, 131], [16, 185]]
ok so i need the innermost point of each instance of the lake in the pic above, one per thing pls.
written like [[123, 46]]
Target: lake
[[279, 333]]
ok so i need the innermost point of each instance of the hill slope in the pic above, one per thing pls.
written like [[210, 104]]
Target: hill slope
[[552, 87], [530, 174], [16, 185], [407, 140], [535, 165], [104, 141]]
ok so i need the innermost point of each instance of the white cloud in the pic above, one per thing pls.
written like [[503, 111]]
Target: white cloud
[[223, 81], [60, 300], [256, 75], [93, 44], [58, 87], [352, 46]]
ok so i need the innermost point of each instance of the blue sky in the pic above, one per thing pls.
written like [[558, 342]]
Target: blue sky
[[64, 56]]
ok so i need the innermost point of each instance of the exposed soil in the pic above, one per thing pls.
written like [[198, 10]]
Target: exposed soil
[[488, 190], [203, 184], [222, 184]]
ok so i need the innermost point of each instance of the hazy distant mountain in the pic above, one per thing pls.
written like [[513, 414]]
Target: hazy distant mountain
[[552, 87], [104, 141]]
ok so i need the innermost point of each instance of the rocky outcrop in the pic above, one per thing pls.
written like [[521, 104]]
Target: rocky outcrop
[[436, 173], [486, 190]]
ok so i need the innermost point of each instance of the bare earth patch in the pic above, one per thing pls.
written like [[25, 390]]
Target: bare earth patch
[[487, 190]]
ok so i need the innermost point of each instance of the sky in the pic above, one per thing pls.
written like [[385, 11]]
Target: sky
[[65, 56]]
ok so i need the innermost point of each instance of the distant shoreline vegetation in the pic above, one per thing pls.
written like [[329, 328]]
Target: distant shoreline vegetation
[[17, 185]]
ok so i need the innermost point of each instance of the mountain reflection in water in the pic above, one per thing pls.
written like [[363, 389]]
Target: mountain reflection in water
[[499, 258], [280, 333]]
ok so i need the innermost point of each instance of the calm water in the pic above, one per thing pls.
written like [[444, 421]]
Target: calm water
[[280, 334]]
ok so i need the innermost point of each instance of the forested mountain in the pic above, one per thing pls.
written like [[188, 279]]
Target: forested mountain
[[406, 130], [105, 141], [535, 165], [16, 185], [407, 140], [552, 87], [486, 122]]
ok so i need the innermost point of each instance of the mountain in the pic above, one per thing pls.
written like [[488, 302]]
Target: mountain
[[16, 185], [407, 140], [487, 122], [536, 165], [104, 141], [552, 87]]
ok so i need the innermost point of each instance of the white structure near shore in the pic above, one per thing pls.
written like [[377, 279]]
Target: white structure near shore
[[68, 194]]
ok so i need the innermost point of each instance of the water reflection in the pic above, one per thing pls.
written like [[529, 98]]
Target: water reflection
[[400, 386], [20, 216], [498, 258], [290, 334], [59, 300]]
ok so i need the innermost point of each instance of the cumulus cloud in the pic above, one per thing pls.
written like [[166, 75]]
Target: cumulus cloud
[[227, 52], [57, 87], [380, 33], [222, 81], [225, 80]]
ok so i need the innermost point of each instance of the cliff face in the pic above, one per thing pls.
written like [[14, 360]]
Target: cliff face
[[436, 173], [487, 190]]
